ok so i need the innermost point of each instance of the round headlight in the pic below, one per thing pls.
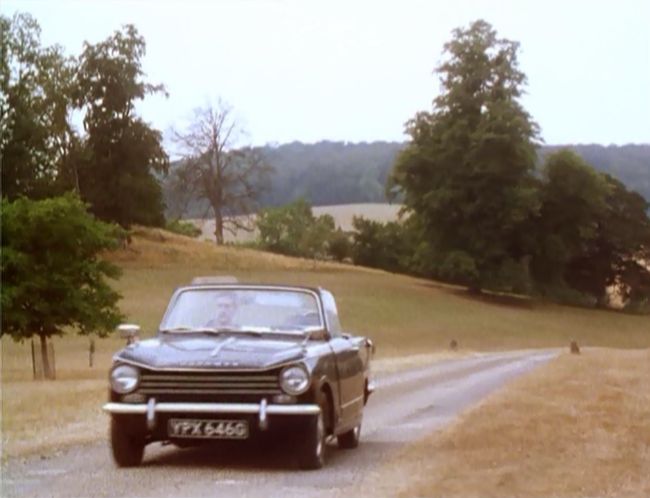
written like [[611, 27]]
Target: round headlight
[[294, 380], [124, 379]]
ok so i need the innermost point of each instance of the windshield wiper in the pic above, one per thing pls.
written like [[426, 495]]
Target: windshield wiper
[[174, 330], [248, 330], [218, 330], [253, 330]]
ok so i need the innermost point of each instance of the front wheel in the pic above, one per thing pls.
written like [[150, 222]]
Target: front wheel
[[311, 454], [128, 448]]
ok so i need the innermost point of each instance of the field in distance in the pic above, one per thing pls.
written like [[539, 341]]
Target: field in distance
[[342, 215]]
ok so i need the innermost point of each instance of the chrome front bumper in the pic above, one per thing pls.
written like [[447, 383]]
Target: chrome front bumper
[[261, 409]]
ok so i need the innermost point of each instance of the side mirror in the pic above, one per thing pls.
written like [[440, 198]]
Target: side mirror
[[129, 332], [371, 345]]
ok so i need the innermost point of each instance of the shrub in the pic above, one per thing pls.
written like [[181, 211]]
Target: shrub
[[183, 228]]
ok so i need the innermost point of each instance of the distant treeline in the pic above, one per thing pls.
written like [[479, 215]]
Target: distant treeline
[[328, 173]]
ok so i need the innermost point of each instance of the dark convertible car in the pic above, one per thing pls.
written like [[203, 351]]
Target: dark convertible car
[[232, 361]]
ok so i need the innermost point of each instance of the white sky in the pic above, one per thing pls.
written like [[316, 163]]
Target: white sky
[[357, 70]]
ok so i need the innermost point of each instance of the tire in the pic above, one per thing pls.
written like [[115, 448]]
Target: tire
[[128, 448], [349, 440], [312, 447]]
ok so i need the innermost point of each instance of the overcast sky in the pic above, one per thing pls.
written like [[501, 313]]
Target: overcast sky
[[357, 70]]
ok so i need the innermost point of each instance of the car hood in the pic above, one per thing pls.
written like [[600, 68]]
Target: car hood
[[222, 352]]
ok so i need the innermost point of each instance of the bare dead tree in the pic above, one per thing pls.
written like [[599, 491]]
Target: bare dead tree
[[215, 168]]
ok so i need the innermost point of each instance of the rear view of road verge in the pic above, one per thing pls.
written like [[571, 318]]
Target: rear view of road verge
[[579, 426]]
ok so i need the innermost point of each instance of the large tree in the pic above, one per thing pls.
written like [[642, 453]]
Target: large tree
[[572, 196], [53, 279], [619, 255], [592, 233], [216, 168], [466, 172], [121, 153], [35, 99]]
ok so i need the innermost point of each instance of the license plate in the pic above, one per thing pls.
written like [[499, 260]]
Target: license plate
[[207, 429]]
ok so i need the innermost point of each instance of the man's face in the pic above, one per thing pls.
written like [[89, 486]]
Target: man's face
[[225, 307]]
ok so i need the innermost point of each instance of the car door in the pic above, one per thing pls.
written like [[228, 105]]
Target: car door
[[347, 350]]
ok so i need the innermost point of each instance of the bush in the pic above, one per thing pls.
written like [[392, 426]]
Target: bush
[[294, 230], [381, 245], [340, 246], [183, 228]]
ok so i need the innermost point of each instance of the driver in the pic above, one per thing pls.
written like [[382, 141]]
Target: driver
[[225, 309]]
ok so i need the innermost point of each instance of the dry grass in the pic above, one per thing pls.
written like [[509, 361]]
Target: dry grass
[[154, 248], [403, 315], [578, 427], [343, 213], [42, 416], [45, 416]]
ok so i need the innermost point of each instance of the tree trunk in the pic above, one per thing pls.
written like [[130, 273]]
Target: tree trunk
[[38, 373], [218, 226], [47, 369]]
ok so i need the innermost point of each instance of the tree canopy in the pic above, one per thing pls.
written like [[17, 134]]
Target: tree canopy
[[593, 233], [52, 276], [466, 173], [112, 164], [121, 153], [35, 134]]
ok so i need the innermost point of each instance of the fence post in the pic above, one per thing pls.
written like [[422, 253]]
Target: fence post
[[91, 352], [33, 360]]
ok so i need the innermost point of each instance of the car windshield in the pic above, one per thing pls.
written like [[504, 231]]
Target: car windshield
[[237, 309]]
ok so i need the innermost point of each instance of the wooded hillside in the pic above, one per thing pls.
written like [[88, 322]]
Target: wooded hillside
[[328, 173]]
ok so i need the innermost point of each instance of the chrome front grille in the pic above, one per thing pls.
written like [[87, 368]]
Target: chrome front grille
[[209, 384]]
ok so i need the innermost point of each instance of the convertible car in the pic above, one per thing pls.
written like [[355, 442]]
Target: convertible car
[[232, 361]]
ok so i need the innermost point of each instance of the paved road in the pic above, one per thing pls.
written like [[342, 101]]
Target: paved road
[[407, 405]]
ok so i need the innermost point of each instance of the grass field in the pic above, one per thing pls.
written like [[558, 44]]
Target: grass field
[[578, 427], [403, 315]]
